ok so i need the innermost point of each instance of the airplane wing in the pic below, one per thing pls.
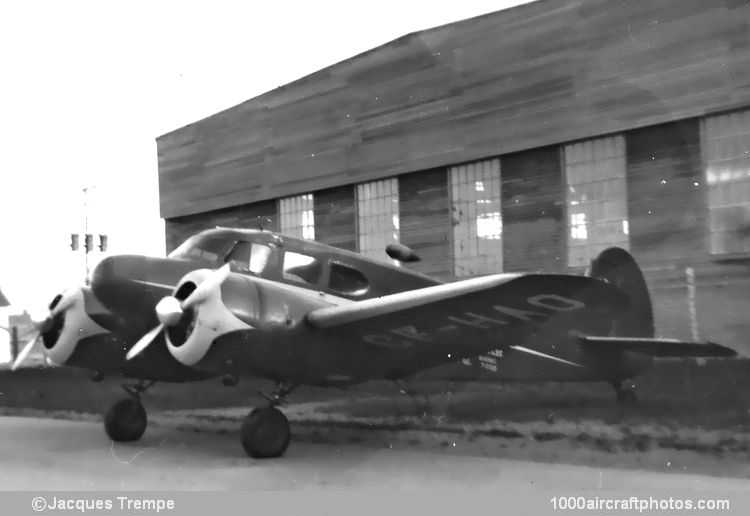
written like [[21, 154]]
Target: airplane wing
[[446, 322], [658, 347]]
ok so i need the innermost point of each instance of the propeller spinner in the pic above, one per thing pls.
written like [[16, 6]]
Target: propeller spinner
[[170, 310]]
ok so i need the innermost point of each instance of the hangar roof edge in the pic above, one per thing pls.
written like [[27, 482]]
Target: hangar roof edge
[[392, 42]]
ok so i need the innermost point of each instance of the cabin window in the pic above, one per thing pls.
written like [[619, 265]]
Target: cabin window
[[377, 217], [726, 147], [347, 280], [297, 216], [302, 268], [596, 198], [477, 218], [250, 256]]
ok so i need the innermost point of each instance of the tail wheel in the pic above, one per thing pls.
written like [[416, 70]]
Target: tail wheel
[[265, 433], [126, 420]]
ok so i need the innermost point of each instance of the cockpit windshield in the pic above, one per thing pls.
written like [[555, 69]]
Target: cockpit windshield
[[244, 255], [201, 247]]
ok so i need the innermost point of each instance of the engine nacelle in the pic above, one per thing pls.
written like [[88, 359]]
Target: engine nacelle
[[67, 327], [199, 326]]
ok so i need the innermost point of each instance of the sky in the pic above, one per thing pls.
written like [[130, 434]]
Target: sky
[[87, 86]]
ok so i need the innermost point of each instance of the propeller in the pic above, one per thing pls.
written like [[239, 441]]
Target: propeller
[[170, 309], [144, 342], [207, 286], [24, 352], [42, 325]]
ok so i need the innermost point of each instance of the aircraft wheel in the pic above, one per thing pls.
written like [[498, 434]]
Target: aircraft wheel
[[125, 420], [627, 397], [265, 433]]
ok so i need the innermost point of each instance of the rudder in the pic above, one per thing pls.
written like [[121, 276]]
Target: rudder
[[618, 267]]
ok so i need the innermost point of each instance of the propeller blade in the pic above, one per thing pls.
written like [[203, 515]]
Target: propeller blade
[[144, 342], [25, 352], [211, 283]]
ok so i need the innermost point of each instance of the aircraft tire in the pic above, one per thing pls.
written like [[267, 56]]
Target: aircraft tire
[[126, 420], [265, 433], [627, 397]]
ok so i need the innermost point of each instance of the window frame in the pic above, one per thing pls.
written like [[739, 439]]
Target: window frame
[[356, 294]]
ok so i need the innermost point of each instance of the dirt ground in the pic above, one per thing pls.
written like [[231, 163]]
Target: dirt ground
[[690, 418]]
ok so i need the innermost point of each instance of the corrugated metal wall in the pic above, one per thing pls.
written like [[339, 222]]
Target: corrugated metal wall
[[425, 221], [335, 213], [666, 193], [179, 229], [533, 204]]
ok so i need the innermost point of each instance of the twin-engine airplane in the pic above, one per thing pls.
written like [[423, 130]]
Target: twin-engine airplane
[[232, 302]]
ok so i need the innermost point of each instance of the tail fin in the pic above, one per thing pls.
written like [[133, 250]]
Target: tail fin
[[617, 267]]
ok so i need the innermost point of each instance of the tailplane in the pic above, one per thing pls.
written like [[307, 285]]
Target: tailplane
[[633, 329]]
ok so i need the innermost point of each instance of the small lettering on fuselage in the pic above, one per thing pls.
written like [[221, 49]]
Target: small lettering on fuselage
[[541, 306]]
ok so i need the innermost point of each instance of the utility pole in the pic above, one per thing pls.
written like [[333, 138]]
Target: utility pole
[[88, 238], [86, 230], [13, 343]]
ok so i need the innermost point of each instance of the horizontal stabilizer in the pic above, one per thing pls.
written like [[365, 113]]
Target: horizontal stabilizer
[[659, 347]]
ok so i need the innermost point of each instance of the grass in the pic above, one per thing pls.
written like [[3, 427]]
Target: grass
[[673, 394]]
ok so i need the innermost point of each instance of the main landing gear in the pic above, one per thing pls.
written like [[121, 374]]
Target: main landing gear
[[126, 420], [624, 396], [265, 432]]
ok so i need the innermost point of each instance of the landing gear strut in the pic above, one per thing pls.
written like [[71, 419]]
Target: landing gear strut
[[126, 420], [265, 432], [624, 396]]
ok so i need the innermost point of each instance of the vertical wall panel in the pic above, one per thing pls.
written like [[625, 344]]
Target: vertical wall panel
[[425, 220], [297, 216], [726, 152], [378, 219], [476, 218], [180, 229], [335, 217], [533, 211], [666, 201], [665, 192], [596, 198]]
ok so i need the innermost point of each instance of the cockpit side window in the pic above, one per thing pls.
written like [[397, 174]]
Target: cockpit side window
[[347, 280], [302, 268], [250, 256]]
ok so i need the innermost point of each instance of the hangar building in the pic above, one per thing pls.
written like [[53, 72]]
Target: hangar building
[[522, 140]]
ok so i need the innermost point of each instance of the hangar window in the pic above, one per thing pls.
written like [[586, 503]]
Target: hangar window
[[477, 218], [297, 216], [726, 148], [377, 217], [596, 198], [347, 280], [302, 268]]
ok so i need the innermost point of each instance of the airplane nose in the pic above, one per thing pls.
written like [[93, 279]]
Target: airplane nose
[[133, 284], [116, 268]]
